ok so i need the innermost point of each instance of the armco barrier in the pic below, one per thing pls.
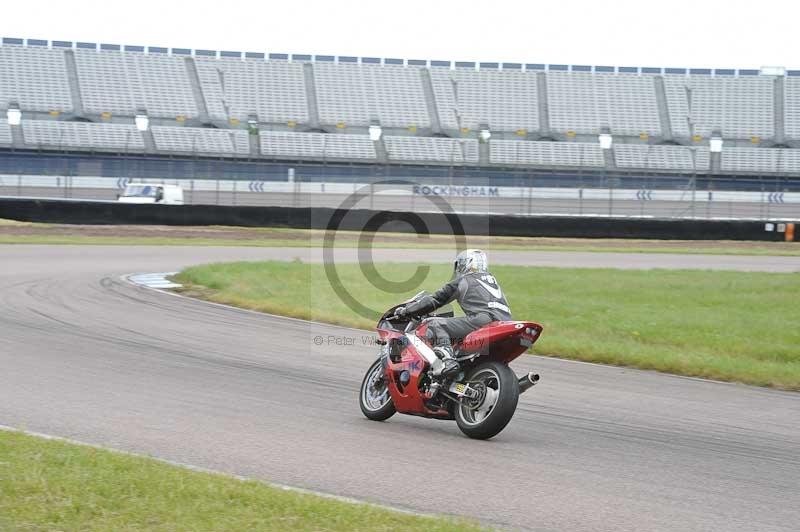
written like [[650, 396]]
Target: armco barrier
[[111, 213]]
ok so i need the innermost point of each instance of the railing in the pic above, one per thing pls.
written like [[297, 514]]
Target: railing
[[681, 200]]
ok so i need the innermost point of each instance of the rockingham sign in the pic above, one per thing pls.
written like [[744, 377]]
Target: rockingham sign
[[443, 190]]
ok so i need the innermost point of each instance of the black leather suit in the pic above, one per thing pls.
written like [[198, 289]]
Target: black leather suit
[[478, 294]]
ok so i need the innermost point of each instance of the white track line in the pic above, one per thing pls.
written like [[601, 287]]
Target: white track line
[[129, 278], [154, 280]]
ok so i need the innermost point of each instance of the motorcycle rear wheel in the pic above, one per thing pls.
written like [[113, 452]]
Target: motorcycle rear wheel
[[489, 415], [374, 398]]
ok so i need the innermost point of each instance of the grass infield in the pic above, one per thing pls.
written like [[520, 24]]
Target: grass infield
[[732, 326], [12, 232], [54, 485]]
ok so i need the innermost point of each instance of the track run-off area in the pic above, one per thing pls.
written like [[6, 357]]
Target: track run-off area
[[87, 355]]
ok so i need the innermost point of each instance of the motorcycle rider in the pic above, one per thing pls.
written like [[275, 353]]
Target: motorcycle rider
[[479, 296]]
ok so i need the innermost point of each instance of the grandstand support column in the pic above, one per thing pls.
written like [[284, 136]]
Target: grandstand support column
[[17, 138], [380, 151], [149, 141], [74, 86], [311, 95], [197, 92], [430, 101], [544, 109], [780, 129], [716, 162], [608, 157], [663, 110], [255, 145], [610, 161], [483, 152]]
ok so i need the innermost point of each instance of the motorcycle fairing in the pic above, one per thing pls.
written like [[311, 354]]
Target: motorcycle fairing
[[501, 340]]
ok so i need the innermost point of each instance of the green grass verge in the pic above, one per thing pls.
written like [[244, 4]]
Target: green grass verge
[[12, 232], [54, 485], [730, 326], [82, 240], [276, 242]]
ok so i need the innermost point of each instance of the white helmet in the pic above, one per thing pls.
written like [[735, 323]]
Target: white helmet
[[470, 260]]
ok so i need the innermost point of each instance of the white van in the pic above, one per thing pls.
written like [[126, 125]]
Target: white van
[[152, 193]]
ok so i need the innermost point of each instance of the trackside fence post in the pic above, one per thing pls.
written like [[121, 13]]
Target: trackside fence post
[[610, 196], [530, 195]]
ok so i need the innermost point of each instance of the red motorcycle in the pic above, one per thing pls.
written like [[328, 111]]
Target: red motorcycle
[[482, 398]]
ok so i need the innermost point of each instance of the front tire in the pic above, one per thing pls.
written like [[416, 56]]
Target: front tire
[[488, 415], [374, 398]]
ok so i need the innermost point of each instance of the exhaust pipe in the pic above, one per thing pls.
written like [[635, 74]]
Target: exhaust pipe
[[528, 381]]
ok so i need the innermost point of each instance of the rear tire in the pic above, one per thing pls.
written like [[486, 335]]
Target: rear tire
[[481, 421], [374, 398]]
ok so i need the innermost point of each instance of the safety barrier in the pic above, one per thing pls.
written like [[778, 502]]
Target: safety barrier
[[661, 202], [112, 213]]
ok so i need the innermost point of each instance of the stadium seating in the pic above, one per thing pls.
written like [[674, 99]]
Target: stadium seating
[[546, 153], [431, 149], [201, 140], [34, 78], [758, 160], [81, 96], [503, 100], [5, 132], [123, 83], [737, 107], [289, 145], [791, 107], [586, 103], [358, 94], [273, 91], [661, 157], [82, 135]]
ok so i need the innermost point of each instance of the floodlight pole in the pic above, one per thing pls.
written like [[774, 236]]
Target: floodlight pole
[[777, 177], [580, 174], [606, 142], [519, 166], [646, 172], [297, 186], [452, 146], [66, 163], [125, 165], [451, 171], [692, 147], [693, 151]]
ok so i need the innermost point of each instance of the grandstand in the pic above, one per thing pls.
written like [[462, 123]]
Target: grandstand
[[84, 97]]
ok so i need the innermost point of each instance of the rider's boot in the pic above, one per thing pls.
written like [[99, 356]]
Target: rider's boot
[[450, 364]]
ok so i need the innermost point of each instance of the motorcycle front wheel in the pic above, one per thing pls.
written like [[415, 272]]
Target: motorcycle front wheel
[[374, 399], [485, 416]]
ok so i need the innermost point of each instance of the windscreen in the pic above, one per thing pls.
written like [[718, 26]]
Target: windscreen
[[140, 191]]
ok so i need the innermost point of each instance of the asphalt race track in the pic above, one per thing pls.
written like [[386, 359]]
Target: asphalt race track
[[85, 355]]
